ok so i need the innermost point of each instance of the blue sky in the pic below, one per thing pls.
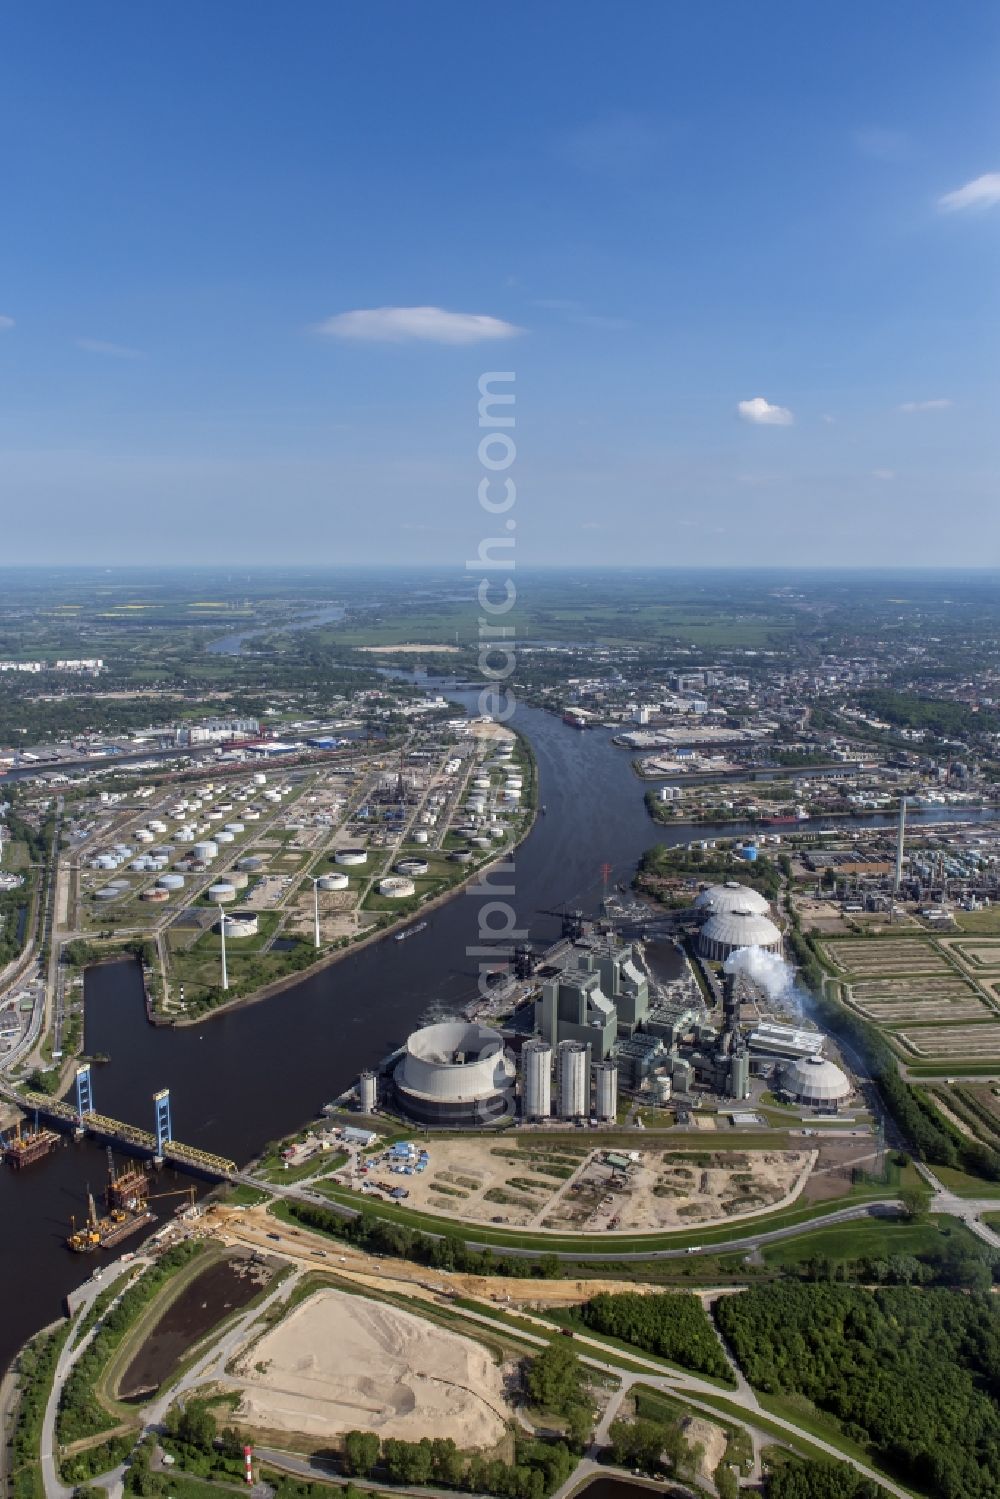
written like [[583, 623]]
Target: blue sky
[[743, 260]]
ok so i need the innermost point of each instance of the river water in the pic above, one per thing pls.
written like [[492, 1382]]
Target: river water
[[257, 1073]]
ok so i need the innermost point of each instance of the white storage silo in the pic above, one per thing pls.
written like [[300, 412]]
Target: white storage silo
[[536, 1080], [368, 1092], [606, 1089], [574, 1090]]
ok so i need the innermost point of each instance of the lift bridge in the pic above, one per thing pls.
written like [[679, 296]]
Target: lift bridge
[[160, 1145]]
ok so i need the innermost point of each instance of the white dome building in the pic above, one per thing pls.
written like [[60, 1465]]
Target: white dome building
[[725, 932], [731, 897], [455, 1073], [816, 1081]]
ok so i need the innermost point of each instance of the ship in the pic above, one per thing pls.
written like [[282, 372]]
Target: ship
[[574, 720], [126, 1199], [28, 1146], [411, 931]]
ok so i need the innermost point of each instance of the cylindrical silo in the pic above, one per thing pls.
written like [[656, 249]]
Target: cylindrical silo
[[368, 1092], [536, 1080], [574, 1092], [606, 1089]]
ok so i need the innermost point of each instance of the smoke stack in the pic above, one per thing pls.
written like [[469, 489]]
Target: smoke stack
[[900, 837]]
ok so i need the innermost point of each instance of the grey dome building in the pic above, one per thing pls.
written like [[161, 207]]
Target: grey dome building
[[455, 1073], [725, 932], [816, 1081], [731, 897]]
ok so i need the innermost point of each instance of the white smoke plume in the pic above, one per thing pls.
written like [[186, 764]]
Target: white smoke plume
[[768, 971]]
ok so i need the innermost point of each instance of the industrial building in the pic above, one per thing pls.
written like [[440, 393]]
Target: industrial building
[[573, 1068], [725, 932], [599, 994], [816, 1081], [606, 1090], [536, 1080], [455, 1073], [731, 896]]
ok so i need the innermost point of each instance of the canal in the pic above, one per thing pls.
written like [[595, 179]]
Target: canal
[[252, 1075]]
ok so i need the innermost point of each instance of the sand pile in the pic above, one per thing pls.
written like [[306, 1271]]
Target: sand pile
[[340, 1363]]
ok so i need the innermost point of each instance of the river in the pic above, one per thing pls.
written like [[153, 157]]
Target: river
[[256, 1073]]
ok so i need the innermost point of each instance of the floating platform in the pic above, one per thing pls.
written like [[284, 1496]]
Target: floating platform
[[26, 1149]]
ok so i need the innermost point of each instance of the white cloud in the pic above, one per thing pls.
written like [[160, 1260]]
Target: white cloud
[[981, 192], [764, 414], [941, 404], [111, 351], [425, 324], [831, 421], [6, 322], [883, 473]]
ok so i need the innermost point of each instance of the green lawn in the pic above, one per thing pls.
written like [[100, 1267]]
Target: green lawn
[[873, 1238]]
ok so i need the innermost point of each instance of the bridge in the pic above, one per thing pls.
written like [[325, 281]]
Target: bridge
[[158, 1144]]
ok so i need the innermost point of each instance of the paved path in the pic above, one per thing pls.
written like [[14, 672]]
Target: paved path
[[968, 1209], [88, 1294]]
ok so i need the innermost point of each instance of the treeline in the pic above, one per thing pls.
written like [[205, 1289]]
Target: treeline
[[937, 716], [823, 1479], [449, 1252], [539, 1468], [712, 865], [672, 1324], [654, 1447], [913, 1375], [959, 1263], [934, 1139], [36, 1367]]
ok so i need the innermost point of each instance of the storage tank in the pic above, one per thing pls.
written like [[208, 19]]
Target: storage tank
[[462, 856], [240, 926], [223, 837], [239, 879], [251, 815], [207, 848], [236, 828], [663, 1088], [396, 887], [107, 894], [251, 863], [412, 867], [333, 881], [171, 882], [606, 1089], [419, 835], [536, 1080], [368, 1092], [574, 1092], [259, 778], [155, 895], [351, 856], [221, 892]]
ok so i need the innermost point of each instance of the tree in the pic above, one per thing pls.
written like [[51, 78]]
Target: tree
[[555, 1378], [361, 1452], [914, 1202], [196, 1427]]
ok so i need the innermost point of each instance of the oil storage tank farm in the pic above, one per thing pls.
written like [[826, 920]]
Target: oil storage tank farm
[[455, 1073]]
